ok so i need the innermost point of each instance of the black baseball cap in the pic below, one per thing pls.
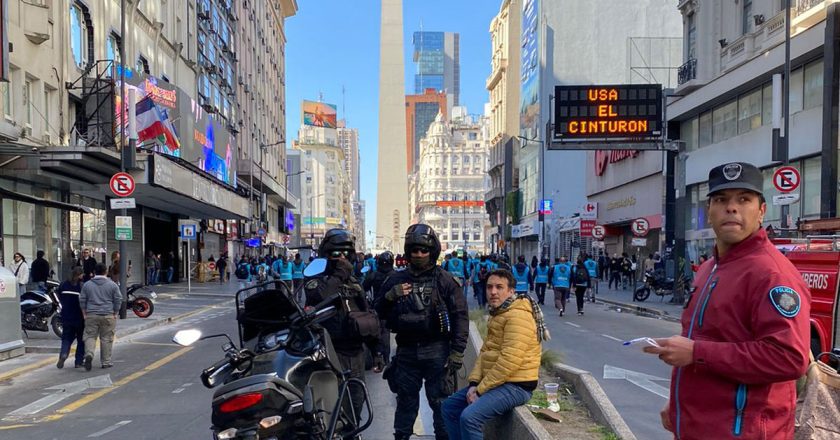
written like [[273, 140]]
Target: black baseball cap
[[735, 175]]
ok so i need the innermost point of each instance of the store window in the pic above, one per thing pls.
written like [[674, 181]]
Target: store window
[[688, 133], [767, 104]]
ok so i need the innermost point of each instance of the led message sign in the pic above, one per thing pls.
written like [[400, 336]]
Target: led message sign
[[608, 113]]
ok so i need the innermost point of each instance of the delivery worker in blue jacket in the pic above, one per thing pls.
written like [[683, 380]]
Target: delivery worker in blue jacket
[[559, 277]]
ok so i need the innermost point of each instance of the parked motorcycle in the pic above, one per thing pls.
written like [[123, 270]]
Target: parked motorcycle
[[140, 300], [654, 281], [285, 380], [41, 311]]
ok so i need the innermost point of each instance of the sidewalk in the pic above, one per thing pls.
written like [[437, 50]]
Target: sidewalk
[[173, 303], [654, 305]]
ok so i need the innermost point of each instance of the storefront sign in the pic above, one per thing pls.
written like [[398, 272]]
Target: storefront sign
[[586, 227], [523, 229], [596, 112], [623, 203], [176, 178], [233, 230], [589, 211], [122, 228], [605, 157]]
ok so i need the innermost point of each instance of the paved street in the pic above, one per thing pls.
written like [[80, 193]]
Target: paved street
[[153, 391]]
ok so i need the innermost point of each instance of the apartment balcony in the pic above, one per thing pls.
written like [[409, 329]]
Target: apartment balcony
[[687, 77], [495, 193]]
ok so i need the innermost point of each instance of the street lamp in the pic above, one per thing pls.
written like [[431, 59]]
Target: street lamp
[[375, 236], [542, 190]]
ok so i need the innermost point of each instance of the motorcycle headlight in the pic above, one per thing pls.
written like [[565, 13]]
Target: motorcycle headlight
[[227, 434]]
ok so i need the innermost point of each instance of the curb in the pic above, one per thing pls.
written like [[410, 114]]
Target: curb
[[126, 331], [595, 399], [641, 309]]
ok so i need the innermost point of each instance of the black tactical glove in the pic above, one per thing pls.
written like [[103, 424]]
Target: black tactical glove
[[455, 361]]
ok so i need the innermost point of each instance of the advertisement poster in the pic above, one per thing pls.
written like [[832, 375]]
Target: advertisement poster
[[319, 114], [529, 109], [179, 126]]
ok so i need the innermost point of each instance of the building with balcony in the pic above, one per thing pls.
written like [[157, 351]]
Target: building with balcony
[[724, 111], [451, 181], [503, 88], [325, 202]]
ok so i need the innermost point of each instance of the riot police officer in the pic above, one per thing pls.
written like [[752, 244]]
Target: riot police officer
[[349, 329], [373, 283], [426, 308]]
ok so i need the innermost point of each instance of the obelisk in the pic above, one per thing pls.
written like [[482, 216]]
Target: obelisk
[[392, 191]]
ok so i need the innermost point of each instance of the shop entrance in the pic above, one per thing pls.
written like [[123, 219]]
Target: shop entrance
[[161, 237]]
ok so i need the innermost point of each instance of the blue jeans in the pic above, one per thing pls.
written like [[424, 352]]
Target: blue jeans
[[170, 273], [465, 421], [73, 331]]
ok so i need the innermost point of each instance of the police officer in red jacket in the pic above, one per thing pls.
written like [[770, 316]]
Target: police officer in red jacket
[[745, 331]]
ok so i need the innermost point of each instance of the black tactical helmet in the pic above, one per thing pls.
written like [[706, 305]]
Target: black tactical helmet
[[338, 239], [385, 259], [422, 235]]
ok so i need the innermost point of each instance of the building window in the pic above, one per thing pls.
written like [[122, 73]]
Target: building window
[[5, 89], [796, 89], [811, 188], [112, 48], [746, 17], [142, 64], [704, 135], [476, 236], [724, 121], [691, 37], [81, 34], [767, 104], [813, 85], [749, 111], [688, 133], [27, 101]]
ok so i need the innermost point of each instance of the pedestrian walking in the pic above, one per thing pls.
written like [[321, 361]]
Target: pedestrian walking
[[100, 301], [541, 280], [150, 268], [507, 369], [626, 270], [114, 268], [221, 265], [592, 267], [158, 267], [39, 272], [522, 275], [426, 308], [603, 266], [615, 272], [171, 264], [72, 320], [481, 272], [581, 281], [298, 267], [20, 268], [745, 332], [560, 277]]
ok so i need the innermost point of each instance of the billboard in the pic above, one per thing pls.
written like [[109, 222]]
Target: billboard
[[598, 112], [201, 138], [319, 114], [529, 108]]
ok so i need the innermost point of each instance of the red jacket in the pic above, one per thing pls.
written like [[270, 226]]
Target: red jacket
[[749, 318]]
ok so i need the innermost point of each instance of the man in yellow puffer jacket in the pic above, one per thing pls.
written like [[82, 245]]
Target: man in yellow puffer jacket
[[507, 369]]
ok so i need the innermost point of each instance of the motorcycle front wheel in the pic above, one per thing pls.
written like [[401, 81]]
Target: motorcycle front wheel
[[641, 294], [142, 307], [56, 324]]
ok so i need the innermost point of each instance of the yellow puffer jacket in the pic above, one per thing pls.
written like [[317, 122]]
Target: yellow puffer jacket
[[511, 352]]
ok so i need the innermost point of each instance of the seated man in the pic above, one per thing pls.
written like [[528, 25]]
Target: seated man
[[507, 368]]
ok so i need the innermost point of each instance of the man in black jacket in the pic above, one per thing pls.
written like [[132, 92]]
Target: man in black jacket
[[426, 308], [373, 284], [88, 264], [338, 286], [39, 271]]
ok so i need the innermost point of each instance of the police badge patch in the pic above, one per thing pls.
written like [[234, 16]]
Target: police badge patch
[[313, 284], [732, 171], [785, 300]]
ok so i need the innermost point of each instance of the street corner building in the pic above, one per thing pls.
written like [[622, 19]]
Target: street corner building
[[210, 149]]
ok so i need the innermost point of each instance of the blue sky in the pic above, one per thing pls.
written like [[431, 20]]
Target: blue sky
[[335, 43]]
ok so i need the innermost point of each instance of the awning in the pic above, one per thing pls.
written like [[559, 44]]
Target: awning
[[8, 194]]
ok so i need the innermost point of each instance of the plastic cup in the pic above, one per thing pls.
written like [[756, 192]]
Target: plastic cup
[[551, 392]]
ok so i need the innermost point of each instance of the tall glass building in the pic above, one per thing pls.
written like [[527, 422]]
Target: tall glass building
[[437, 58]]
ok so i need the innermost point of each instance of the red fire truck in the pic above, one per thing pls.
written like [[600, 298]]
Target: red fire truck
[[818, 260]]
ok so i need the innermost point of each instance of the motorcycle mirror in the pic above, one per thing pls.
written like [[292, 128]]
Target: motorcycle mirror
[[187, 337], [315, 268], [366, 269]]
